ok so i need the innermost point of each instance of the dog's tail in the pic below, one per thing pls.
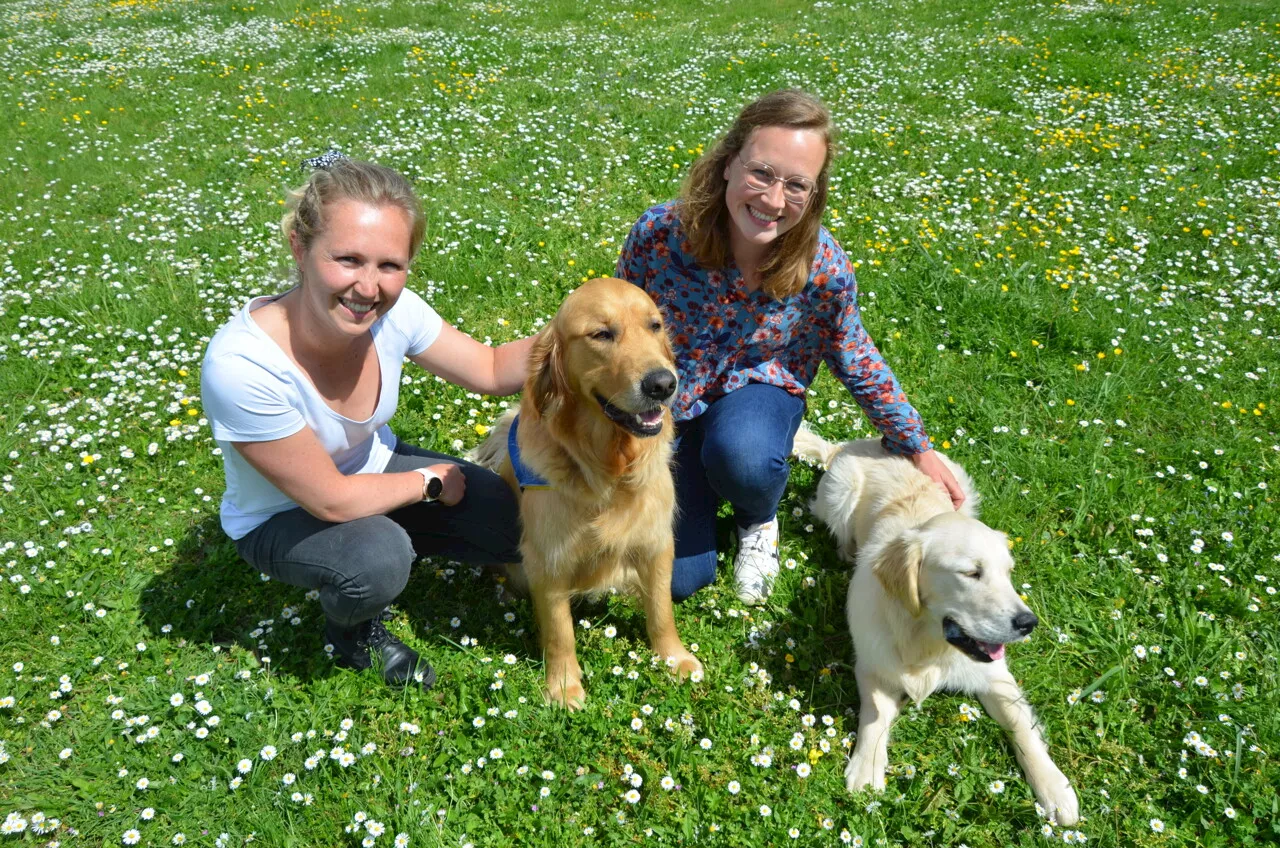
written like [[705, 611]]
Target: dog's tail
[[812, 447], [490, 453]]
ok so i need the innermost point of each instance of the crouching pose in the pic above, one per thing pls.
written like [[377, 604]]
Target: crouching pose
[[299, 387]]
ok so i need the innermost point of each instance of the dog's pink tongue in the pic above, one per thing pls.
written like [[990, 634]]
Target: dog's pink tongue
[[992, 650], [651, 417]]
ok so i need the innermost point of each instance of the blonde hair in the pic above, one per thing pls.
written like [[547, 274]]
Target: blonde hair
[[350, 179], [705, 216]]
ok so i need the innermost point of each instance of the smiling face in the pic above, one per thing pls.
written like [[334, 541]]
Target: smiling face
[[607, 348], [354, 270], [759, 217]]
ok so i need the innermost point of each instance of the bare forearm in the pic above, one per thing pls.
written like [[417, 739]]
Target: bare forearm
[[362, 495]]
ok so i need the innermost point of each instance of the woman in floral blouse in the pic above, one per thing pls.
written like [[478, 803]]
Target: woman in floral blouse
[[756, 293]]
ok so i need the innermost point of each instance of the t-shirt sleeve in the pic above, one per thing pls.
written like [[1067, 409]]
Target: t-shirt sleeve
[[415, 321], [245, 402]]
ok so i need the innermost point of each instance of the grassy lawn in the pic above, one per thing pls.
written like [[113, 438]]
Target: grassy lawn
[[1066, 219]]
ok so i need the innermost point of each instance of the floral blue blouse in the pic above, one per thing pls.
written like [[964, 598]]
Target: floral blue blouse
[[726, 337]]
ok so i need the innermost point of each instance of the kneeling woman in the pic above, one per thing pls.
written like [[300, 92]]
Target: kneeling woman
[[756, 295], [299, 388]]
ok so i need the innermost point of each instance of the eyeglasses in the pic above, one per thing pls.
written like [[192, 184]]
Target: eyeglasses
[[761, 177]]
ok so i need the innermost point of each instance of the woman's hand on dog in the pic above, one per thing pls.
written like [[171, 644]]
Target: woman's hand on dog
[[932, 465], [453, 480]]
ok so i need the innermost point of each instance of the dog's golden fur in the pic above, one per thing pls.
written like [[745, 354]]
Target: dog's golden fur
[[605, 521]]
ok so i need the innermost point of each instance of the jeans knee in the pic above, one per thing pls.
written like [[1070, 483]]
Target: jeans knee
[[381, 556], [744, 467]]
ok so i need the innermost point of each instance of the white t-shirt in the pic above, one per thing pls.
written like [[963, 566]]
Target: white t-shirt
[[253, 392]]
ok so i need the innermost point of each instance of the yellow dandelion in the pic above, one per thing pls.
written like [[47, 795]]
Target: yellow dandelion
[[481, 429]]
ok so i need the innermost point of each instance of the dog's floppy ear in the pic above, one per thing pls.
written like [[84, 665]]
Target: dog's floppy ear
[[547, 381], [898, 570]]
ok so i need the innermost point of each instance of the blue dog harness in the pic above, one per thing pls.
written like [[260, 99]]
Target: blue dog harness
[[525, 476]]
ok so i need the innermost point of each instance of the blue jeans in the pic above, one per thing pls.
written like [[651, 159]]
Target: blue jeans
[[737, 451], [361, 566]]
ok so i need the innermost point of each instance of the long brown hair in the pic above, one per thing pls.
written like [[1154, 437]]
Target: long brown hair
[[706, 218]]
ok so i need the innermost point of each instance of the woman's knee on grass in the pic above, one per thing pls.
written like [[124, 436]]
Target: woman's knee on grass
[[691, 573]]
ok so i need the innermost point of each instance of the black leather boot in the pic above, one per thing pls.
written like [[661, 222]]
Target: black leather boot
[[360, 646]]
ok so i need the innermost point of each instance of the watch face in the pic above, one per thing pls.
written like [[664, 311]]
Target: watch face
[[434, 487]]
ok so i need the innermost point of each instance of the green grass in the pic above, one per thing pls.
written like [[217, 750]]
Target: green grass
[[1064, 219]]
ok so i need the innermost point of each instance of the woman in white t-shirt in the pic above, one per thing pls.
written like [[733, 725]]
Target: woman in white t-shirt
[[299, 387]]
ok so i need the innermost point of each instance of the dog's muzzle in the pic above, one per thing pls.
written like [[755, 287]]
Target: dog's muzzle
[[977, 649], [657, 388]]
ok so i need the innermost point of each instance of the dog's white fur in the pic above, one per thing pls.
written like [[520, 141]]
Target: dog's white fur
[[920, 562]]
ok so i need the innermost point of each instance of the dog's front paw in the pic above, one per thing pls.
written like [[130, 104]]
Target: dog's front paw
[[567, 693], [861, 773], [685, 666], [1058, 800]]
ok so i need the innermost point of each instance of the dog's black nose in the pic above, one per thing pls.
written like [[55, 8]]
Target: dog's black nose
[[659, 384], [1025, 622]]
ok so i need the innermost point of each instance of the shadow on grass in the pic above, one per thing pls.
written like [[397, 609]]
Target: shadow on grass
[[210, 596], [800, 636]]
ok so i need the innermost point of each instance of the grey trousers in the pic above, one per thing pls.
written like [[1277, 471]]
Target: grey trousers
[[361, 566]]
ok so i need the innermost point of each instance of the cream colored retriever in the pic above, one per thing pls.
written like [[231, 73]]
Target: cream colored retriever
[[930, 605], [594, 425]]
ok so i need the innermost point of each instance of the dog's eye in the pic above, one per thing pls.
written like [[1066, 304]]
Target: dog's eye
[[603, 335], [976, 574], [656, 326]]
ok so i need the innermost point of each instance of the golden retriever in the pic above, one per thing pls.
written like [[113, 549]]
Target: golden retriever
[[931, 606], [594, 424]]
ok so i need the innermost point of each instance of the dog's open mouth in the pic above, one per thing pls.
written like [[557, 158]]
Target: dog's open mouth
[[647, 423], [976, 648]]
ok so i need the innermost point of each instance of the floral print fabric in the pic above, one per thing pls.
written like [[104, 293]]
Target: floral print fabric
[[726, 336]]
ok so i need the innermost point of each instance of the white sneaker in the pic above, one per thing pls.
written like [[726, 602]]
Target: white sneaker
[[756, 564]]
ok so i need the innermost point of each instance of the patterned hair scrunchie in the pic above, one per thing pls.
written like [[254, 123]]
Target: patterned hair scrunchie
[[324, 160]]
